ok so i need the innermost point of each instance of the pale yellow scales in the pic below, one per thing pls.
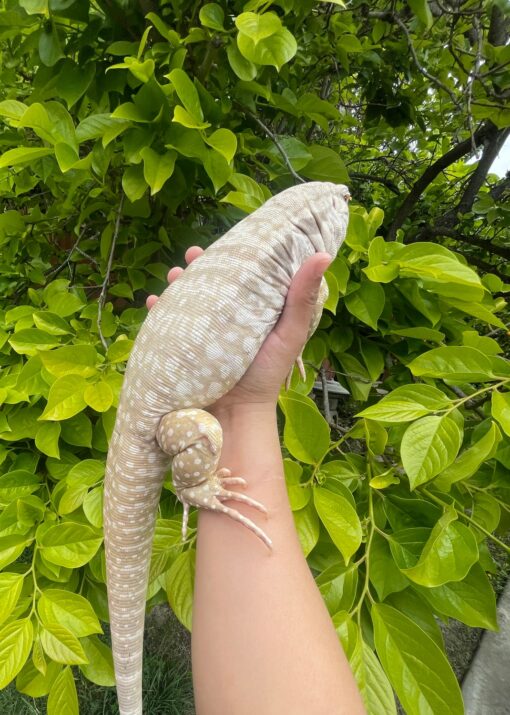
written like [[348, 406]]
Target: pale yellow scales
[[194, 346]]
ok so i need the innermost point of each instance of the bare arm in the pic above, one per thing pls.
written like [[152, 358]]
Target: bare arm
[[263, 642]]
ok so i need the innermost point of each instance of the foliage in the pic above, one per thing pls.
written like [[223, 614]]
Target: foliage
[[133, 130]]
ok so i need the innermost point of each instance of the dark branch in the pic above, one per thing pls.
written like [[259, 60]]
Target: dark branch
[[491, 248], [430, 174], [379, 179]]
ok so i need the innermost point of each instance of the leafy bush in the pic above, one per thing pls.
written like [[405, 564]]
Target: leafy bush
[[125, 140]]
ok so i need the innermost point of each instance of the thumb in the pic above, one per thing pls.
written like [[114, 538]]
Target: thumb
[[297, 315]]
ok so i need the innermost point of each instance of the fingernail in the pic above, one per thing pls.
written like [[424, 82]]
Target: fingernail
[[322, 267]]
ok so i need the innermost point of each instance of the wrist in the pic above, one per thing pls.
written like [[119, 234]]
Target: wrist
[[240, 415]]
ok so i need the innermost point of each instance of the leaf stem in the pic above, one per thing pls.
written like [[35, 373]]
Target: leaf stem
[[471, 520]]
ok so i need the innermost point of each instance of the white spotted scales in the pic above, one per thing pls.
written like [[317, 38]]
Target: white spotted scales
[[194, 346]]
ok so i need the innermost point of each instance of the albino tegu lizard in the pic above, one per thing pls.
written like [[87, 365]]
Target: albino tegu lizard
[[194, 346]]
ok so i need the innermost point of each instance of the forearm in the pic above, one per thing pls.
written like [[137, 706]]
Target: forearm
[[263, 642]]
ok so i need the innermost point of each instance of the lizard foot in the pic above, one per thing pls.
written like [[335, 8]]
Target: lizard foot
[[300, 367], [194, 438]]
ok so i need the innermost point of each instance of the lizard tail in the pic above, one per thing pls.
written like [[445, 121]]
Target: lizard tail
[[134, 476]]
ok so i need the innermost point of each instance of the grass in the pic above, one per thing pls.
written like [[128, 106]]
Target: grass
[[167, 688]]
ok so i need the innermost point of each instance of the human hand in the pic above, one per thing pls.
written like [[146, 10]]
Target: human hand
[[262, 381]]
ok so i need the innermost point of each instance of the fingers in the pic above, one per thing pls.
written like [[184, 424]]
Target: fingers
[[294, 323], [174, 273], [191, 254]]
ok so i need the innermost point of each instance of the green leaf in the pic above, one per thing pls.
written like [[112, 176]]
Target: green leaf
[[65, 398], [325, 165], [157, 168], [93, 507], [77, 430], [31, 340], [500, 408], [61, 645], [32, 681], [340, 519], [306, 432], [74, 612], [63, 697], [50, 49], [224, 142], [12, 109], [74, 80], [486, 512], [470, 460], [16, 484], [69, 544], [212, 15], [299, 496], [10, 590], [46, 439], [166, 546], [471, 601], [258, 27], [133, 183], [242, 67], [383, 572], [440, 270], [429, 446], [450, 552], [179, 586], [51, 323], [23, 155], [424, 684], [372, 681], [307, 526], [99, 669], [187, 93], [276, 50], [419, 611], [11, 547], [407, 403], [422, 11], [71, 360], [338, 585], [16, 640], [99, 396], [34, 7], [366, 303], [458, 364]]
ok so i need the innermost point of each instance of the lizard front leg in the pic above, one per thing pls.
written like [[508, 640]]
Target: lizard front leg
[[317, 313], [194, 438]]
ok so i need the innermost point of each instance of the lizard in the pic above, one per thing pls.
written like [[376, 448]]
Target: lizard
[[195, 344]]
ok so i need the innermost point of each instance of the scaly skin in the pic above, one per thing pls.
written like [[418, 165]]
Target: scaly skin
[[194, 346]]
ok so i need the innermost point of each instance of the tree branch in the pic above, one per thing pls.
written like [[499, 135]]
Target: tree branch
[[277, 145], [396, 18], [378, 179], [104, 288], [430, 174], [469, 240]]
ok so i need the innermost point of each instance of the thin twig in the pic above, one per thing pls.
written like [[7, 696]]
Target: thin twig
[[104, 288], [396, 18], [471, 79], [325, 394], [277, 145]]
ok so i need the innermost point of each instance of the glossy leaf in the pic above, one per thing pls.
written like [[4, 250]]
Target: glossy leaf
[[429, 446], [424, 685], [340, 519]]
